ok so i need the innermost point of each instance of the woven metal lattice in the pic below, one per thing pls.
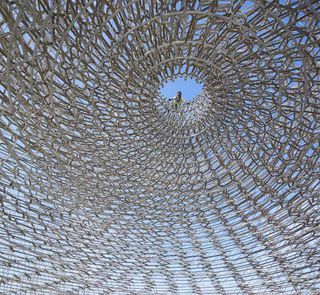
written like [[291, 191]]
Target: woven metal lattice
[[106, 188]]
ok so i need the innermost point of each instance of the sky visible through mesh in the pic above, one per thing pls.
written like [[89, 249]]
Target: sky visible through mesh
[[107, 188], [188, 87]]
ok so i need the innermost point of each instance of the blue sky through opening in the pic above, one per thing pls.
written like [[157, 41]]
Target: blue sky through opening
[[189, 88]]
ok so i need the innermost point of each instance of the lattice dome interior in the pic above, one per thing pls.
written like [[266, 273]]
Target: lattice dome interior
[[106, 188]]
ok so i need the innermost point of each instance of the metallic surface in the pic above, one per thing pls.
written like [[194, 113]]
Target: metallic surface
[[106, 189]]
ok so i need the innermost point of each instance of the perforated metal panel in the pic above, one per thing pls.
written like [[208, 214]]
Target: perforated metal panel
[[106, 188]]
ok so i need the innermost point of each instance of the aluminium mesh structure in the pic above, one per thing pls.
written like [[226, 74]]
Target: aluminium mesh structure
[[107, 189]]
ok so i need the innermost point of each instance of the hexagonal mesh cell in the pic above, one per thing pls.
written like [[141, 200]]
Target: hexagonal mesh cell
[[107, 188]]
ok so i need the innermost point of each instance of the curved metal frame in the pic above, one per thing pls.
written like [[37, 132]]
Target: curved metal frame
[[107, 189]]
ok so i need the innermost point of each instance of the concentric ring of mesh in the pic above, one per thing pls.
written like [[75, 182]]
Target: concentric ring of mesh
[[107, 189]]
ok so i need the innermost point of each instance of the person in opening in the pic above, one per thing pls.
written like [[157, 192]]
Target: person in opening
[[177, 100]]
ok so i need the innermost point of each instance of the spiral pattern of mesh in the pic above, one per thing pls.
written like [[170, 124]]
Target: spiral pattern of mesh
[[106, 188]]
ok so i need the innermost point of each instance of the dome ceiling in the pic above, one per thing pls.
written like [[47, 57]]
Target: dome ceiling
[[106, 188]]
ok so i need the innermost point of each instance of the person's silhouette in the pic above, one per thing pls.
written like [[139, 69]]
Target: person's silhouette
[[177, 100]]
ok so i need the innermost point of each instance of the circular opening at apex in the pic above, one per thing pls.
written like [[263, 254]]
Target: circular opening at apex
[[188, 87]]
